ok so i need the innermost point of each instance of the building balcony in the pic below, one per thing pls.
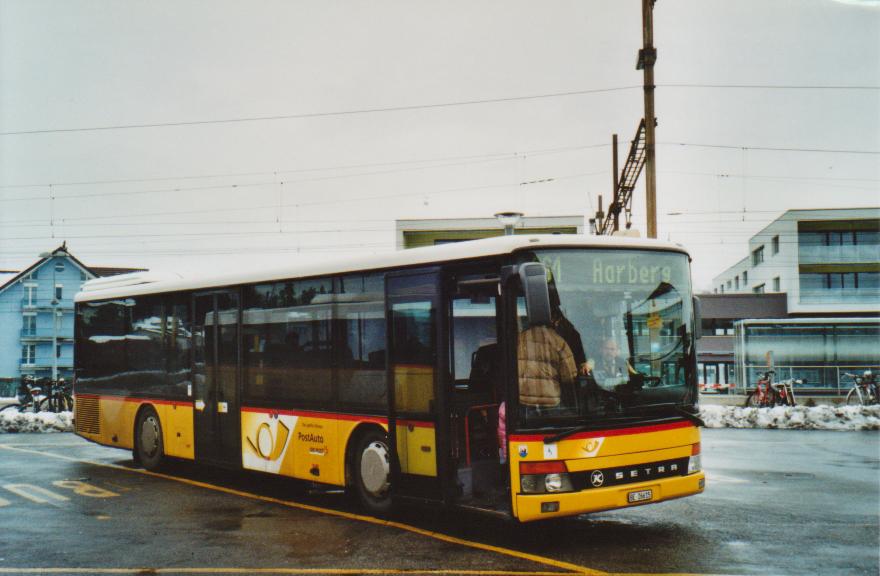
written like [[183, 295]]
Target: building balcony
[[847, 254], [840, 296], [43, 336], [32, 336], [45, 363], [42, 305]]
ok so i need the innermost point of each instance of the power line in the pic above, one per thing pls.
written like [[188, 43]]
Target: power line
[[487, 156], [770, 86], [275, 206], [322, 114], [770, 148], [770, 176]]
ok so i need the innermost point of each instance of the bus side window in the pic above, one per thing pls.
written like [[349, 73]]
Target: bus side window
[[474, 343], [413, 362]]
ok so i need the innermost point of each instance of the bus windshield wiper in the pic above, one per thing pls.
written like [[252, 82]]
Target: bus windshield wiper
[[690, 416], [585, 428], [678, 409]]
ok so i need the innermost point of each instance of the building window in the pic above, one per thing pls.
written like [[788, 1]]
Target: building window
[[757, 255], [58, 350], [59, 290], [745, 278], [30, 294], [774, 245], [722, 288], [776, 287], [729, 284], [759, 289], [736, 282], [59, 266], [28, 354], [29, 325]]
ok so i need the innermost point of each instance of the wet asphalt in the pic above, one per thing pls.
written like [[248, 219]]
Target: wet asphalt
[[777, 502]]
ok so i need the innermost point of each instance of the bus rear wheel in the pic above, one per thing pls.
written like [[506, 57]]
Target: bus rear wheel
[[148, 446], [371, 472]]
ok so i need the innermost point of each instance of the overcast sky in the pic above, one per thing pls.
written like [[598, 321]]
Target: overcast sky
[[188, 134]]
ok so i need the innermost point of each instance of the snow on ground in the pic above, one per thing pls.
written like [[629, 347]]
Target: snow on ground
[[14, 421], [793, 417], [797, 417]]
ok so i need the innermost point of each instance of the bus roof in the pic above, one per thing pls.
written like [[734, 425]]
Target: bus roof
[[139, 283]]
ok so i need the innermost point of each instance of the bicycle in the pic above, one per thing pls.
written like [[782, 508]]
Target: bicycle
[[864, 391], [58, 399], [29, 397], [768, 394]]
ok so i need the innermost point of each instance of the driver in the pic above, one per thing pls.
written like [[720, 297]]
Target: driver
[[610, 369]]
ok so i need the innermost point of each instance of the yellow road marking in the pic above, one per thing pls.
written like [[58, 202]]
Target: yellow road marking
[[333, 571], [347, 515], [306, 571], [338, 513]]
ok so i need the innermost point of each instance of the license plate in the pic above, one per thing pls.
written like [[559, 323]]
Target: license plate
[[640, 496]]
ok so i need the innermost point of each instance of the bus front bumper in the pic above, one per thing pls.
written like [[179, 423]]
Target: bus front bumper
[[540, 506]]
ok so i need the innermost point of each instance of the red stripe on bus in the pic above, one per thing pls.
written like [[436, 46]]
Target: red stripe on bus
[[604, 433], [416, 423], [326, 415], [132, 399]]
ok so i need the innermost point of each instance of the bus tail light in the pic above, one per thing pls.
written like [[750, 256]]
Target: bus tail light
[[695, 462], [552, 467]]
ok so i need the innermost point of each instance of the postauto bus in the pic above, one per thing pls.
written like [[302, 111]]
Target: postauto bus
[[386, 375]]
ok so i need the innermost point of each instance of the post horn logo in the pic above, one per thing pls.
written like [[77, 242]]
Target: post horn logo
[[266, 446]]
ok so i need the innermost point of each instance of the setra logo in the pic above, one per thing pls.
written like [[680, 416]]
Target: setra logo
[[597, 478]]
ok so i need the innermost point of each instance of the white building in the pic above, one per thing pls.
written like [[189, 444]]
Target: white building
[[826, 261]]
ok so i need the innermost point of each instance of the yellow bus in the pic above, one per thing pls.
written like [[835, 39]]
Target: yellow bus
[[407, 376]]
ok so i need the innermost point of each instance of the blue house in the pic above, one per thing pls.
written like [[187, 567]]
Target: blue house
[[36, 317]]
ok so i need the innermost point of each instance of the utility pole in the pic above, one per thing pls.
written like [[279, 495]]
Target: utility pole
[[615, 204], [647, 58]]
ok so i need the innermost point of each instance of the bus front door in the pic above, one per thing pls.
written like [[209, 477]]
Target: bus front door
[[418, 437], [215, 378]]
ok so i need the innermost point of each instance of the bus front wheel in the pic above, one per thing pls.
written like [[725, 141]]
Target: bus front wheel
[[372, 472], [149, 448]]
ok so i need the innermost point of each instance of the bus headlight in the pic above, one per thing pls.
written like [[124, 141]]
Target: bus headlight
[[557, 483], [530, 483], [543, 477]]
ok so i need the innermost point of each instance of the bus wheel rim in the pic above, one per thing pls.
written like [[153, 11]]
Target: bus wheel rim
[[150, 436], [375, 469]]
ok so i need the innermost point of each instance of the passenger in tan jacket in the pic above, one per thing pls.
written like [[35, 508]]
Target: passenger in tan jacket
[[545, 363]]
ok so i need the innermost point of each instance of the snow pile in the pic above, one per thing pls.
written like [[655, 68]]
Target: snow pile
[[793, 417], [14, 421]]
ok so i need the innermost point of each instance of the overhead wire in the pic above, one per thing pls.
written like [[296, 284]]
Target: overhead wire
[[488, 156], [322, 114]]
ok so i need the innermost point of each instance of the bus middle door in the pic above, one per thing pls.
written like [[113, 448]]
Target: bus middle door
[[217, 423], [418, 435]]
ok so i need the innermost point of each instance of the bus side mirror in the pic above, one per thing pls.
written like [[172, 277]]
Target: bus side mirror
[[698, 319], [533, 276]]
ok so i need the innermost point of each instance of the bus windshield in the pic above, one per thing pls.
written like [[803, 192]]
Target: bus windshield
[[620, 346]]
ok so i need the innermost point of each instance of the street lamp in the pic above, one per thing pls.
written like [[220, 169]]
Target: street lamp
[[509, 220]]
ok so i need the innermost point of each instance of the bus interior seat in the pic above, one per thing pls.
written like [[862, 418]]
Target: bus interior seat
[[484, 370]]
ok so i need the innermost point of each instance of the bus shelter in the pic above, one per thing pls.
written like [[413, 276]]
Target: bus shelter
[[819, 351]]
